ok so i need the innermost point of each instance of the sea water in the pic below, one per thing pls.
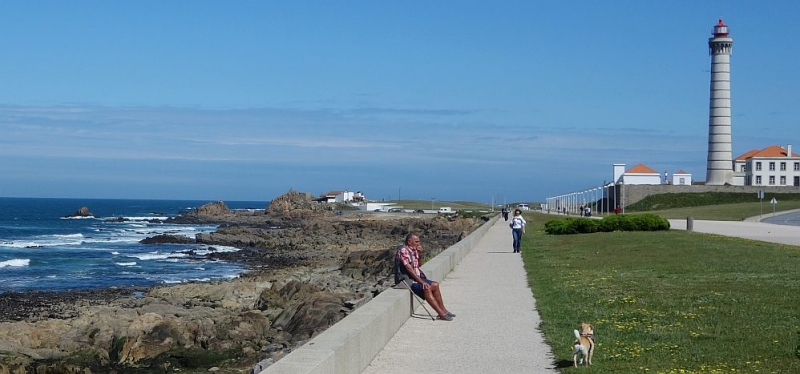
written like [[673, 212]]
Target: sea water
[[42, 250]]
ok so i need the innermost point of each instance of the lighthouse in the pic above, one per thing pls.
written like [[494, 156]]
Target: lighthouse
[[720, 163]]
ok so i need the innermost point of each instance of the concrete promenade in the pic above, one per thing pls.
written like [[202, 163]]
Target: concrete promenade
[[748, 229], [496, 328]]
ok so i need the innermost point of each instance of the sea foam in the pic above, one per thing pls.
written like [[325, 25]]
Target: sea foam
[[17, 262]]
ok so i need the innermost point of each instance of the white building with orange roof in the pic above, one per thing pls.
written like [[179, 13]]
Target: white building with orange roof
[[771, 166], [639, 174]]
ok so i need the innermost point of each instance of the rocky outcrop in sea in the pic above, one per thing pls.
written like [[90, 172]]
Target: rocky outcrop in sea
[[309, 268], [83, 212]]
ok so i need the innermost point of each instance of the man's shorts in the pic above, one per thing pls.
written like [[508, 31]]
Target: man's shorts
[[417, 288]]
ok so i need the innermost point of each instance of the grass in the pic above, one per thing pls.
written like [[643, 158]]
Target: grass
[[727, 212], [668, 302], [714, 205]]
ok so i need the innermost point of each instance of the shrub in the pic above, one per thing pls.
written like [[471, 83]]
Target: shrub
[[560, 226], [567, 226], [586, 225], [651, 222], [617, 222]]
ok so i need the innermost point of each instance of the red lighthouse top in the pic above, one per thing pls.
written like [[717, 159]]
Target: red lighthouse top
[[720, 30]]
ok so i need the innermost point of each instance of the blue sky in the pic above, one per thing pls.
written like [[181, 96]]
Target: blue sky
[[453, 100]]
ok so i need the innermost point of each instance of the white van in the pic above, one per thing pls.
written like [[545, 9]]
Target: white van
[[445, 209], [524, 207]]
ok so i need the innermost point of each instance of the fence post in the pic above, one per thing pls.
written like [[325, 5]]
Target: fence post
[[689, 223]]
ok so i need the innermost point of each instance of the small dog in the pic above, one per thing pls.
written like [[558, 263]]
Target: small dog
[[584, 345]]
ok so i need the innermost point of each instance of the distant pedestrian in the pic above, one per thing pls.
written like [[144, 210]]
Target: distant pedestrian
[[617, 210], [505, 213], [587, 212], [517, 229], [581, 208]]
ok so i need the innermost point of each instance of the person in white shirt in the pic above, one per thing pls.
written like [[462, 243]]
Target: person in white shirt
[[517, 229]]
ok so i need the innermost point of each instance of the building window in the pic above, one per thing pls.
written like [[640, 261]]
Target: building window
[[758, 166], [771, 180], [744, 168], [783, 180], [797, 166], [681, 181], [783, 166], [758, 180], [772, 166]]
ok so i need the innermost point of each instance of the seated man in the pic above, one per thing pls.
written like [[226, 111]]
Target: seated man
[[406, 269]]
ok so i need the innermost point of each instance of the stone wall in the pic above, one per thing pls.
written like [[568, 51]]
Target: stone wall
[[630, 194]]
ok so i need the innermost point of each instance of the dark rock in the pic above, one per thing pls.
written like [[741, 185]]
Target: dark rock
[[167, 239], [83, 212]]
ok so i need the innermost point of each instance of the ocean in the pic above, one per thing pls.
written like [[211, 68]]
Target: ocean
[[41, 250]]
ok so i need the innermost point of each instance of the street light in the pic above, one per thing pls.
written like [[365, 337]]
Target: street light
[[432, 200]]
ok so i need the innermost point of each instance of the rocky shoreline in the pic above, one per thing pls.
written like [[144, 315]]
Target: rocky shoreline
[[309, 268]]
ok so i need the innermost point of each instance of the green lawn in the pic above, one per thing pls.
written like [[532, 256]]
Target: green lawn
[[728, 212], [668, 302]]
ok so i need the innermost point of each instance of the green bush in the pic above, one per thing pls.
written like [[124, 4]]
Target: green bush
[[560, 226], [586, 225], [617, 222], [651, 222]]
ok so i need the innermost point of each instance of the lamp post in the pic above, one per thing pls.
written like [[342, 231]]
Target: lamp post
[[432, 200]]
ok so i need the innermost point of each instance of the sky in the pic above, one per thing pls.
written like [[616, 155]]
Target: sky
[[489, 101]]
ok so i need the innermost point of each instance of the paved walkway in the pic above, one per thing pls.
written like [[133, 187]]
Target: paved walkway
[[747, 229], [496, 328]]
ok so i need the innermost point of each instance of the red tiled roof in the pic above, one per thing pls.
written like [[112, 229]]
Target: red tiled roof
[[681, 171], [747, 154], [773, 151], [641, 169]]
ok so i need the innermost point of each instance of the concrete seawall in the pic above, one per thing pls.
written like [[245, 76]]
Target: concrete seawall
[[350, 345]]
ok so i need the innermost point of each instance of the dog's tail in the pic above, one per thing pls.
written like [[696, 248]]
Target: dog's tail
[[577, 335]]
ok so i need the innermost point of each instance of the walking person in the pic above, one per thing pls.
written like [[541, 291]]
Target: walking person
[[505, 213], [517, 229]]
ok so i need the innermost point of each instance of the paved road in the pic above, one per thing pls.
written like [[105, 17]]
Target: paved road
[[789, 218], [497, 326], [749, 229]]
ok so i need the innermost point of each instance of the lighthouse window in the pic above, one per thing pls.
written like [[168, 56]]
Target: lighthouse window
[[758, 179], [772, 166], [771, 179], [758, 166], [783, 166]]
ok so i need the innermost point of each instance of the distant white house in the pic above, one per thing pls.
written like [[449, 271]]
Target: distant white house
[[639, 174], [342, 196], [681, 178], [643, 174], [771, 166]]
